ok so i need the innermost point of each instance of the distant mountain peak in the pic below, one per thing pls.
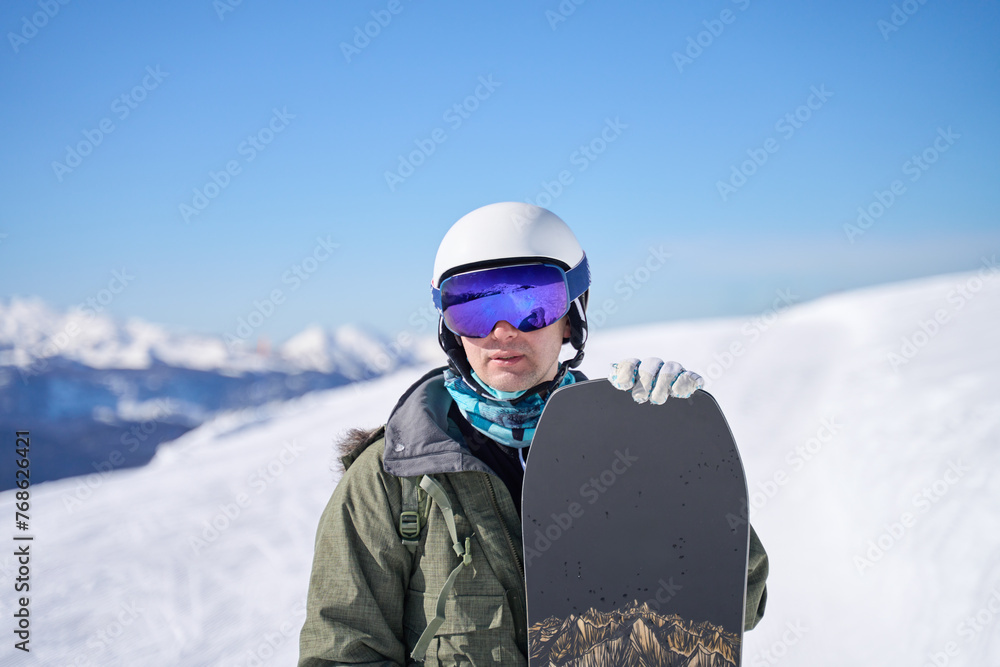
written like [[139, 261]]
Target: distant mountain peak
[[32, 332]]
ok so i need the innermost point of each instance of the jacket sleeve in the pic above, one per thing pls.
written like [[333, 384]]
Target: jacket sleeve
[[360, 573], [756, 582]]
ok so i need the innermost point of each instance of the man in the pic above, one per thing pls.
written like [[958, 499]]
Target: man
[[418, 553]]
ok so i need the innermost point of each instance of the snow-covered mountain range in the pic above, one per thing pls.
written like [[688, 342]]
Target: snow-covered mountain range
[[92, 386], [32, 333], [868, 423]]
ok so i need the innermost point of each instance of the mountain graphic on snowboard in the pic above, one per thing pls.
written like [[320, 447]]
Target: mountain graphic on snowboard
[[634, 635]]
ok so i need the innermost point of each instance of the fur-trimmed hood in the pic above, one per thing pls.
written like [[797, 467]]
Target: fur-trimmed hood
[[355, 441]]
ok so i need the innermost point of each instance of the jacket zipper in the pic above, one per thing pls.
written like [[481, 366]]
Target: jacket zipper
[[503, 523]]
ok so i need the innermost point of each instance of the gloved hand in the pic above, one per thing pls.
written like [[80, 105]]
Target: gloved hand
[[654, 380]]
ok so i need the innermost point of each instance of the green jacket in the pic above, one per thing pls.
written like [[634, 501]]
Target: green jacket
[[370, 599]]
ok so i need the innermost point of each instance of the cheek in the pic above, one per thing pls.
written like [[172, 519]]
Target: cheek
[[552, 344], [557, 346], [472, 353]]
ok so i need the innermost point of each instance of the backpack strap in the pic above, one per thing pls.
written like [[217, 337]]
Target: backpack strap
[[414, 515], [438, 494]]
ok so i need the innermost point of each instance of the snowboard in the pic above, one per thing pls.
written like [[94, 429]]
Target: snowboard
[[635, 532]]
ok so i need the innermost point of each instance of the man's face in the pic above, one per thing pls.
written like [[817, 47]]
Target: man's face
[[511, 360]]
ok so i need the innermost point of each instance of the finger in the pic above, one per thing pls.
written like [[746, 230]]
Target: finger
[[664, 381], [623, 373], [686, 384], [646, 379]]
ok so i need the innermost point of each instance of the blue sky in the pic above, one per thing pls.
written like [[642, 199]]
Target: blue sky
[[738, 137]]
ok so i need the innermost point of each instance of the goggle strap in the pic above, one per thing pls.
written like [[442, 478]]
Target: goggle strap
[[578, 279]]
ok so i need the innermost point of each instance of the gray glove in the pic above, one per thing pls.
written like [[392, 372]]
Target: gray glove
[[654, 380]]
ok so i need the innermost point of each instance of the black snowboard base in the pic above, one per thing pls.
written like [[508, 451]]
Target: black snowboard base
[[632, 556]]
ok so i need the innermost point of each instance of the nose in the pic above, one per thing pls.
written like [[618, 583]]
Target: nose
[[503, 330]]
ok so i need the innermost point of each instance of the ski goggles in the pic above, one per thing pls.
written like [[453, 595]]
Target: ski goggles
[[528, 296]]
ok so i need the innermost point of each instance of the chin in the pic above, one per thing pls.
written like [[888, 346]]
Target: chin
[[507, 381], [516, 387]]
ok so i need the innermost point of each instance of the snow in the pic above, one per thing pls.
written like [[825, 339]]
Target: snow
[[873, 478]]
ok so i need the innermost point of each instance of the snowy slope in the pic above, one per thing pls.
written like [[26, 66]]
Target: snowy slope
[[846, 449]]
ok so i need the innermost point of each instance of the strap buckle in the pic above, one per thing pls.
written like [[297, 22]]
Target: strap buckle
[[409, 524]]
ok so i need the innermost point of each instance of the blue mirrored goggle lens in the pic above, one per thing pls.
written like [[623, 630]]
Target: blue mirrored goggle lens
[[529, 296]]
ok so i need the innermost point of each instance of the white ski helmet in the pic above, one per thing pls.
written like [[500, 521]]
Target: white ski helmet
[[508, 233]]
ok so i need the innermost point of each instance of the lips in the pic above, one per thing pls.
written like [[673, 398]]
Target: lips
[[505, 358]]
